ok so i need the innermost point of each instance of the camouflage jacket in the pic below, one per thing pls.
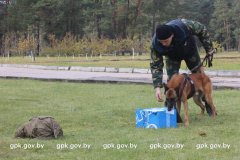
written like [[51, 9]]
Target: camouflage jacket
[[40, 127], [194, 28]]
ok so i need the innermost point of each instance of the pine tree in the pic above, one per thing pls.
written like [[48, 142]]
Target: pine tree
[[236, 20], [222, 22]]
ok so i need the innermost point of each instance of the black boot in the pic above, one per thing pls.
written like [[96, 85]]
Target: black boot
[[208, 108]]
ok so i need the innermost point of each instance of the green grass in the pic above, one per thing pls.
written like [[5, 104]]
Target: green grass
[[121, 61], [100, 114]]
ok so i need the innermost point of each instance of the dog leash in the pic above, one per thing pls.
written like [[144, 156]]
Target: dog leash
[[208, 59]]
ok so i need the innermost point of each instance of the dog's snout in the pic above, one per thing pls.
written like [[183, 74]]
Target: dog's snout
[[169, 108], [170, 104]]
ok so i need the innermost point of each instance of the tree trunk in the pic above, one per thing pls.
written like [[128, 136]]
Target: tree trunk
[[239, 45], [116, 16], [67, 30], [38, 39], [73, 19], [99, 17], [125, 26], [154, 19], [132, 53], [6, 14], [140, 26]]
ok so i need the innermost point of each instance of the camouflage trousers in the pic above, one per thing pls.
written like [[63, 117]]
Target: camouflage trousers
[[173, 65]]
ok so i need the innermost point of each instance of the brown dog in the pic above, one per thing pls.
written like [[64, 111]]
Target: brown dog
[[175, 94]]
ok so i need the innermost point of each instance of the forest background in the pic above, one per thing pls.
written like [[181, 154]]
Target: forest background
[[103, 27]]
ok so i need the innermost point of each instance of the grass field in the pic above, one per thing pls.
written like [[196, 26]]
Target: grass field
[[122, 61], [103, 114]]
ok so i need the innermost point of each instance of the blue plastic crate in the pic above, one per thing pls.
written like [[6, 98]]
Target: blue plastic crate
[[156, 118]]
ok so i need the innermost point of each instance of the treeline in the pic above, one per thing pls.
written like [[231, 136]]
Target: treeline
[[110, 20], [69, 46]]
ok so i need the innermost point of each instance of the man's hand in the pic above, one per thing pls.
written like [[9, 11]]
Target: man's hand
[[211, 52], [159, 95]]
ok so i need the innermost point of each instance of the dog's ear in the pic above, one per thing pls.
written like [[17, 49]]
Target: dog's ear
[[165, 87]]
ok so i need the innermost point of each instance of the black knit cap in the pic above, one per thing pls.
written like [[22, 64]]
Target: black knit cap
[[163, 32]]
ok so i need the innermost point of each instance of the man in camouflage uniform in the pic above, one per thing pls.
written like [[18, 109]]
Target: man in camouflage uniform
[[176, 42]]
